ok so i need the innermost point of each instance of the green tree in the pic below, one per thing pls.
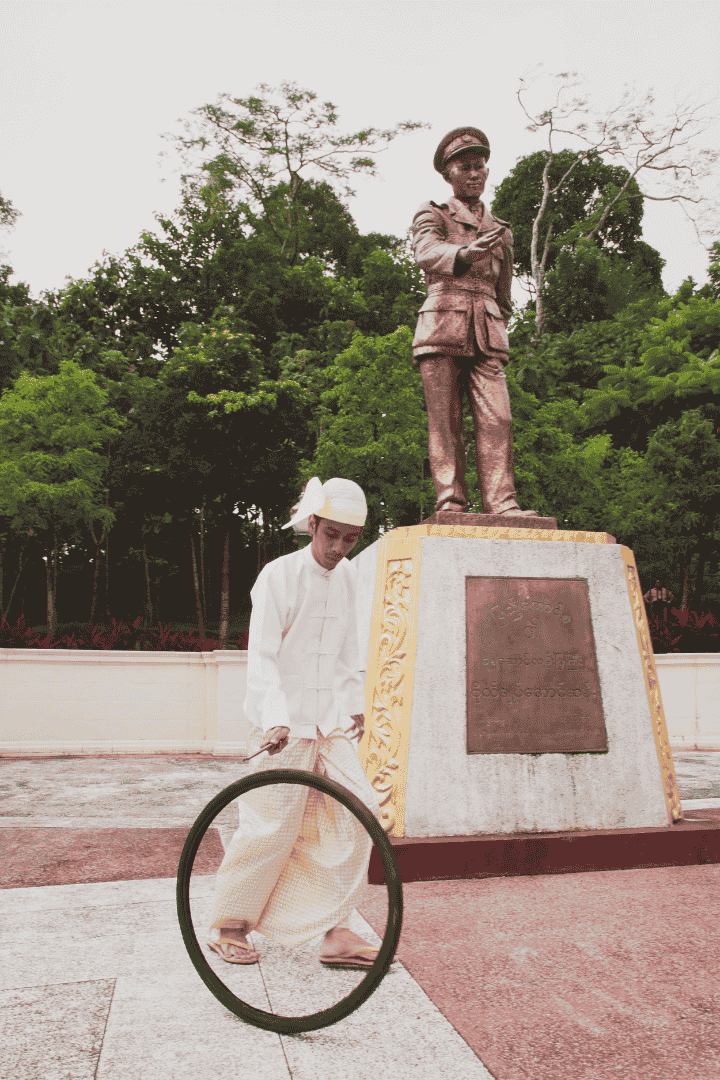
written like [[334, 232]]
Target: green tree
[[203, 257], [8, 213], [714, 268], [8, 216], [27, 333], [590, 285], [678, 368], [667, 505], [213, 443], [54, 435], [570, 363]]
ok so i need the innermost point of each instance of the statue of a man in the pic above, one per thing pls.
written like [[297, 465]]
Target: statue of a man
[[461, 341]]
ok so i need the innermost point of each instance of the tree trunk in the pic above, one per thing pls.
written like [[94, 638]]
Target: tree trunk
[[17, 578], [94, 588], [55, 577], [537, 264], [198, 601], [202, 562], [95, 575], [225, 592], [148, 605], [685, 603], [50, 587], [699, 586], [422, 490], [257, 538], [106, 606]]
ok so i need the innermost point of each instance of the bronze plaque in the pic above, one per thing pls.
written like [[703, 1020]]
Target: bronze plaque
[[532, 678]]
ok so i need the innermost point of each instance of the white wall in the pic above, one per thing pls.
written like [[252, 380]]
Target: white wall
[[690, 691], [59, 701]]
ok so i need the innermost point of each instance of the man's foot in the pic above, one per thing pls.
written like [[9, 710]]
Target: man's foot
[[234, 947], [343, 948], [515, 511]]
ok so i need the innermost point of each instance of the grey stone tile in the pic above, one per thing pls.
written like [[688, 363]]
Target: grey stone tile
[[397, 1032], [138, 937], [53, 1032], [698, 774], [179, 1030], [115, 822], [88, 790], [69, 898]]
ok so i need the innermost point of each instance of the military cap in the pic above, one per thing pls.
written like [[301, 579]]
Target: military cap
[[456, 142]]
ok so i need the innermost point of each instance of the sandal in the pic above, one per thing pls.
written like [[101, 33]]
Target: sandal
[[353, 959], [214, 945]]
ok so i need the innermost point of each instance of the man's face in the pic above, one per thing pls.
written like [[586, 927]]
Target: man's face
[[467, 173], [332, 541]]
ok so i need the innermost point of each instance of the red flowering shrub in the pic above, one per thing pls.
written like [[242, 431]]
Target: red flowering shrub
[[684, 631], [117, 635]]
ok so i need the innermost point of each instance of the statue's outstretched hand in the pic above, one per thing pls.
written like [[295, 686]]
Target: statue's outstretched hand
[[483, 247]]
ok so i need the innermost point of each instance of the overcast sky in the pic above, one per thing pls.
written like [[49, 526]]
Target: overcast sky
[[86, 91]]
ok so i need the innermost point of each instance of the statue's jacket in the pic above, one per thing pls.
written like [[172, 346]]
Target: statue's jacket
[[464, 303]]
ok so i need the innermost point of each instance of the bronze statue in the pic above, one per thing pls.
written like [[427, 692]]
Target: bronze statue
[[461, 339]]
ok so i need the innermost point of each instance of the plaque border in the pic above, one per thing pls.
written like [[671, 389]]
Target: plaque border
[[530, 577]]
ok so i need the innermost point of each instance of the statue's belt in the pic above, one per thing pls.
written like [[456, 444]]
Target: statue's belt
[[454, 286]]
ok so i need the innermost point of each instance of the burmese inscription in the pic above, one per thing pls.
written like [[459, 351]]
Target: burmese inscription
[[532, 678]]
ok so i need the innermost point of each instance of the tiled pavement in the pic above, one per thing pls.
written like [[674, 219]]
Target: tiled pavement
[[583, 976]]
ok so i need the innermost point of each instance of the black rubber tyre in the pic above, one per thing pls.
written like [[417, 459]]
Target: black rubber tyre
[[291, 1025]]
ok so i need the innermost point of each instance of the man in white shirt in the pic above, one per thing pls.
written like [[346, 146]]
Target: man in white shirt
[[298, 862]]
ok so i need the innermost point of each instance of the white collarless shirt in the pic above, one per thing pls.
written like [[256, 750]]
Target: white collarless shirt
[[302, 649]]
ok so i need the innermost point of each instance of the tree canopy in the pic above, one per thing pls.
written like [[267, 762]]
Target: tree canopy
[[260, 152]]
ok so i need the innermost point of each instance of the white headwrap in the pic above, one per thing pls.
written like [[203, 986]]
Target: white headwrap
[[336, 499]]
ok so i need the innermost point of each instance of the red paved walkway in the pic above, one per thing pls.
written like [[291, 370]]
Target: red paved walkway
[[75, 856], [574, 977]]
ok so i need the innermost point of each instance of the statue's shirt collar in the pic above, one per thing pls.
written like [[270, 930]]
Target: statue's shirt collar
[[461, 212]]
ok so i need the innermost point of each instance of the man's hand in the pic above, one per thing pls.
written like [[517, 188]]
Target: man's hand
[[358, 728], [276, 739], [483, 247]]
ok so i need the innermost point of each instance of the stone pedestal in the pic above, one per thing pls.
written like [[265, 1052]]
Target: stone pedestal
[[429, 713]]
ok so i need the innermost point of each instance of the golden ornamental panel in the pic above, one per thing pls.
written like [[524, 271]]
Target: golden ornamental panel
[[652, 686], [385, 745]]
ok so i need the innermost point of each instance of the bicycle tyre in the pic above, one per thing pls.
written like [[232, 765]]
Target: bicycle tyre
[[286, 1025]]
